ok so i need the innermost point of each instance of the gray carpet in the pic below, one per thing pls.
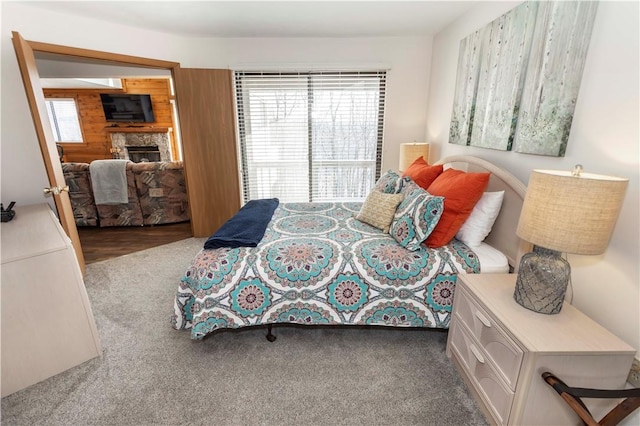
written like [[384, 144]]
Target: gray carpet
[[152, 374]]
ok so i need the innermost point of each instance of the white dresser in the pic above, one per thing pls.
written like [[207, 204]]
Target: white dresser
[[501, 349], [46, 319]]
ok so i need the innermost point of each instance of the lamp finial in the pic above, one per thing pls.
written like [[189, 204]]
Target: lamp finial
[[577, 169]]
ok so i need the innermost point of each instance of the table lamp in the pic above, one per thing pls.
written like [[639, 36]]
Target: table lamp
[[409, 152], [570, 212]]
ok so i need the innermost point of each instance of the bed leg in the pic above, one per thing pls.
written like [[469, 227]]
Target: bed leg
[[270, 336]]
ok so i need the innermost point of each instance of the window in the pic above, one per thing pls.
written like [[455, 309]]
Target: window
[[310, 136], [63, 115]]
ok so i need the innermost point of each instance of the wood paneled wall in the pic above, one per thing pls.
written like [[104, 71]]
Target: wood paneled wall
[[97, 141]]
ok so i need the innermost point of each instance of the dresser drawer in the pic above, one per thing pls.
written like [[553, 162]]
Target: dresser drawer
[[499, 347], [497, 396]]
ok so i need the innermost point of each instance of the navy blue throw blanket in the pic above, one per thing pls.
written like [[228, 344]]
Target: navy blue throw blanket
[[246, 228]]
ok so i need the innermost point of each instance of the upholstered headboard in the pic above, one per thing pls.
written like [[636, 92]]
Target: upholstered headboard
[[503, 234]]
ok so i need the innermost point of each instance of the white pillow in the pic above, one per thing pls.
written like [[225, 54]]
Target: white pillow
[[479, 223]]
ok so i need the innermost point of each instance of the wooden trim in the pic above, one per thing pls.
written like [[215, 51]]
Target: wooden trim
[[55, 176], [104, 56], [136, 129], [80, 91]]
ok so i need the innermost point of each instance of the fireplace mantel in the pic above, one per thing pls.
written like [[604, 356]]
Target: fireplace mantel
[[136, 129]]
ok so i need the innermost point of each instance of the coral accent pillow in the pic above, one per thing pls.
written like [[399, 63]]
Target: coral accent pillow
[[422, 173], [461, 192]]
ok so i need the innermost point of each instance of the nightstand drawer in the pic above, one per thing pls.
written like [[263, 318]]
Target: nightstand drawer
[[497, 396], [502, 350]]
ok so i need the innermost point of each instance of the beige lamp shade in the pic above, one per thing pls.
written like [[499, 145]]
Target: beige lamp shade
[[410, 152], [571, 213]]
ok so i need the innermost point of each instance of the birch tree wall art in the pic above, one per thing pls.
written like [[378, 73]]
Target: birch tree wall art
[[503, 58], [466, 88], [518, 78], [558, 53]]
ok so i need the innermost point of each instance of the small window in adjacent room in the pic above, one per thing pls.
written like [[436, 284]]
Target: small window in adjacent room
[[63, 114]]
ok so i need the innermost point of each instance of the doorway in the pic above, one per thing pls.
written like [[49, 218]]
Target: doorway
[[26, 52], [207, 128], [106, 137]]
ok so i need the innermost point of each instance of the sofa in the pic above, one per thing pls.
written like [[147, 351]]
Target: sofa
[[77, 178], [156, 195]]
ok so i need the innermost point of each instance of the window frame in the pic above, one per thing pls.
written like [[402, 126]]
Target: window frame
[[74, 97], [309, 74]]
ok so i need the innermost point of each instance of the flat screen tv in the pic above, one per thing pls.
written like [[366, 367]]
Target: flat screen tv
[[123, 108]]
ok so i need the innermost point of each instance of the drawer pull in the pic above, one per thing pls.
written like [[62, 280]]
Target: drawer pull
[[477, 354], [483, 319]]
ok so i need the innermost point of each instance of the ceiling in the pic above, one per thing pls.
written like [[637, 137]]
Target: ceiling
[[273, 18]]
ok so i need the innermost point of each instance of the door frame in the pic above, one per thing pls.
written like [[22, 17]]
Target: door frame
[[53, 169]]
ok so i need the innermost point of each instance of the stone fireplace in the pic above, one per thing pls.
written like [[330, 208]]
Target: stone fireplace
[[131, 143]]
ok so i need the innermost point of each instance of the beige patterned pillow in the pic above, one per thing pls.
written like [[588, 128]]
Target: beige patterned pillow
[[379, 208]]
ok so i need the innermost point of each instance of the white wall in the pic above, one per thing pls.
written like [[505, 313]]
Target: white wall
[[23, 175], [406, 58], [604, 138]]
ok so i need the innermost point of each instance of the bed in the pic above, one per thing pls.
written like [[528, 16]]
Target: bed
[[318, 265]]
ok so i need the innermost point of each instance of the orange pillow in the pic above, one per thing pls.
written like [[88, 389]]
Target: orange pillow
[[422, 173], [461, 192]]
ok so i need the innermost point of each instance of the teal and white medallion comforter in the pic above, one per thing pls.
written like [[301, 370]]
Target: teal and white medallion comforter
[[318, 265]]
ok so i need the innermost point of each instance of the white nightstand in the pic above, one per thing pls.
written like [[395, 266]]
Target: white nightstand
[[501, 349]]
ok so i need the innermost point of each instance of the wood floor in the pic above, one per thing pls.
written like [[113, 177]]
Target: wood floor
[[106, 243]]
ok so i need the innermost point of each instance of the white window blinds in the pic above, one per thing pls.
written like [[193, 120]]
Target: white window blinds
[[310, 136], [63, 115]]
